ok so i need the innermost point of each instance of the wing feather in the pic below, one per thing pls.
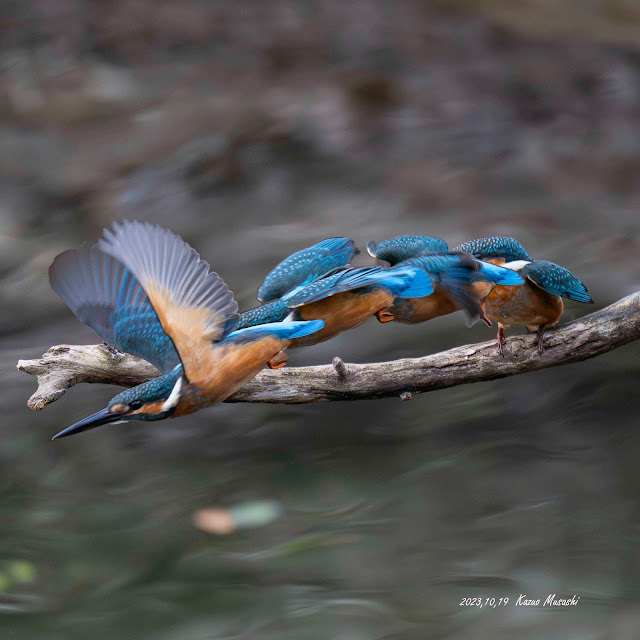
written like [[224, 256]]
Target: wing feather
[[106, 296], [556, 280], [306, 265], [194, 305]]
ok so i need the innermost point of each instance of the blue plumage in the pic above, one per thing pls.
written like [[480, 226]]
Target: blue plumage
[[306, 265], [106, 296], [556, 280], [163, 262], [274, 311], [283, 330], [499, 275], [151, 391], [408, 281], [462, 268], [400, 248], [495, 247]]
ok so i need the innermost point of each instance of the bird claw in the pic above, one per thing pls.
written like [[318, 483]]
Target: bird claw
[[384, 315], [278, 361], [540, 341], [501, 341]]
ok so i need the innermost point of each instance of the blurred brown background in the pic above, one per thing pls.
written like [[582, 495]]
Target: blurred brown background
[[254, 129]]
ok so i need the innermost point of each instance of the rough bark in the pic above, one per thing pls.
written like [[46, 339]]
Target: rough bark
[[65, 365]]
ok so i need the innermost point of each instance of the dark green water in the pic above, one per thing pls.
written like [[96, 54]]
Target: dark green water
[[253, 140]]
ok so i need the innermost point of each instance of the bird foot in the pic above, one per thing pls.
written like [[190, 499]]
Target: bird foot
[[384, 315], [540, 340], [278, 361], [501, 341]]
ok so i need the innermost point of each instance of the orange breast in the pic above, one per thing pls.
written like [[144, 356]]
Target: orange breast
[[235, 364], [340, 312], [524, 304], [414, 310]]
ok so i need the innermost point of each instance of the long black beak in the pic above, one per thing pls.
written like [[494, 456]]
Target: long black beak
[[90, 422]]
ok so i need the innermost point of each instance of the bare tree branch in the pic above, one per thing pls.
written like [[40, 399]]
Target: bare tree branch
[[64, 366]]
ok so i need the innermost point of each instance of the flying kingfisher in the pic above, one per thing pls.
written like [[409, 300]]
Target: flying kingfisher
[[455, 275], [537, 304], [147, 292], [318, 283]]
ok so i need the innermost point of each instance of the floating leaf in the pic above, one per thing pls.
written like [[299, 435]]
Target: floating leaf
[[248, 515]]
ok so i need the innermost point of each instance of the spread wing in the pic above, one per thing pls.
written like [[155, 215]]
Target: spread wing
[[106, 296], [556, 280], [306, 265], [194, 305]]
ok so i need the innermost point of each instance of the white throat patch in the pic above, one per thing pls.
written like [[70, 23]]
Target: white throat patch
[[516, 265], [174, 396]]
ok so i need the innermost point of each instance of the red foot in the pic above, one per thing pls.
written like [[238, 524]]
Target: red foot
[[278, 361], [384, 316]]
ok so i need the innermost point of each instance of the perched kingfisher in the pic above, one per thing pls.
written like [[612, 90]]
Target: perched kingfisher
[[454, 273], [147, 292], [537, 304], [317, 283]]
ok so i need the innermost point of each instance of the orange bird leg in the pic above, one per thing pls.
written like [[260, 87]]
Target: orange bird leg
[[278, 361], [483, 317], [384, 315], [501, 340]]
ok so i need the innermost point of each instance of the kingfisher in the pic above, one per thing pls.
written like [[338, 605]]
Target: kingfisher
[[319, 283], [455, 275], [146, 292], [537, 304]]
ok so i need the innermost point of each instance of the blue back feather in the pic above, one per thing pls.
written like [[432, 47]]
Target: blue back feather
[[282, 330], [495, 247], [274, 311], [402, 248], [556, 280], [106, 296], [306, 265]]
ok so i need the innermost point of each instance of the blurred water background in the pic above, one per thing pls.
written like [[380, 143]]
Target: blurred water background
[[254, 129]]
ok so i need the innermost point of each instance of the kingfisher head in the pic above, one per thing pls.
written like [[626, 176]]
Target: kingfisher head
[[155, 399]]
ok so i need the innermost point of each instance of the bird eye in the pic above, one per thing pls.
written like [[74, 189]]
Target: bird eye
[[136, 404]]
